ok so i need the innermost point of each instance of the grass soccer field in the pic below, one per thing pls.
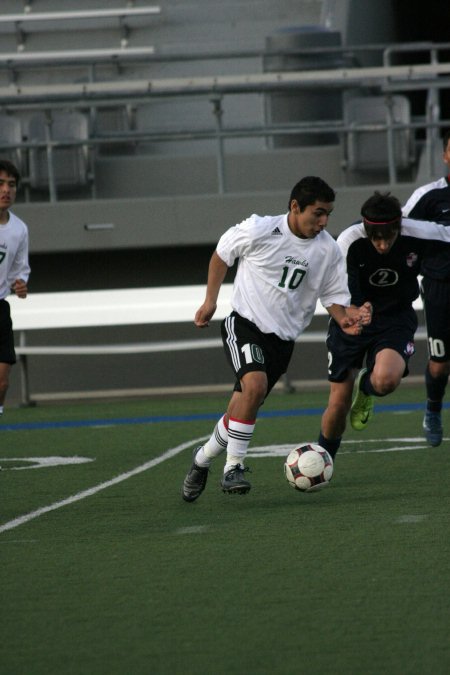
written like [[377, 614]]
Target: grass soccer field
[[106, 570]]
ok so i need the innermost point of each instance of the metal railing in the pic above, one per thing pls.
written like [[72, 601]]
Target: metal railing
[[388, 79]]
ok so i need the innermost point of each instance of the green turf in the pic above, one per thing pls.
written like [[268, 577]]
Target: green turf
[[132, 580]]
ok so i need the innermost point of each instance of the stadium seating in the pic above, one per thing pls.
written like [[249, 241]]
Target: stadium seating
[[10, 138], [29, 22], [69, 164], [368, 149]]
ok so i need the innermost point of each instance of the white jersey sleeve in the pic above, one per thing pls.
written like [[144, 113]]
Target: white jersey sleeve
[[426, 229]]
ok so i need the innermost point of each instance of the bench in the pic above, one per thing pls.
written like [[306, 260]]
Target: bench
[[120, 307], [30, 21]]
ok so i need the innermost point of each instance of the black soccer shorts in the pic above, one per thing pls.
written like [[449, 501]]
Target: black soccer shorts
[[436, 302], [347, 352], [7, 353], [248, 349]]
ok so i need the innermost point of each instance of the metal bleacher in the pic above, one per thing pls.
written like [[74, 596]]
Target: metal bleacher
[[379, 120], [69, 164], [172, 107], [81, 85], [138, 96], [368, 150], [25, 23], [55, 140]]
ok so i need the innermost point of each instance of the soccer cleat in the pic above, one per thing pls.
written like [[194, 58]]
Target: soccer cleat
[[195, 481], [233, 481], [362, 407], [432, 425]]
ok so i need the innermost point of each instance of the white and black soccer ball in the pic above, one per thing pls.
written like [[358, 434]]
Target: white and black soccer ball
[[308, 467]]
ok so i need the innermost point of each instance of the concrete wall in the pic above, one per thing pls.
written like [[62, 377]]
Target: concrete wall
[[170, 221]]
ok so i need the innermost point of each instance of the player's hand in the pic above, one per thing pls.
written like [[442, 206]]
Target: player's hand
[[204, 314], [356, 318], [350, 326], [20, 288], [359, 315], [365, 313]]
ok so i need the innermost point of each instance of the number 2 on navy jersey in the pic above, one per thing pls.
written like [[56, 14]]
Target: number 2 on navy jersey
[[295, 279]]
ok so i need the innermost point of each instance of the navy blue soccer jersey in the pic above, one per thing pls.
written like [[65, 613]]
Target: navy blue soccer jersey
[[388, 281], [432, 202]]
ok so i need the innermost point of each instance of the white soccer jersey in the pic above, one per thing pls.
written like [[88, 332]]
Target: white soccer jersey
[[13, 254], [280, 277]]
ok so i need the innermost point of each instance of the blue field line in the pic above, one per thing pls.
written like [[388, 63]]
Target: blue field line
[[155, 419]]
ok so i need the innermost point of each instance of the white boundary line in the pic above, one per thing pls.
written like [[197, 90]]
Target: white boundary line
[[21, 520], [282, 450]]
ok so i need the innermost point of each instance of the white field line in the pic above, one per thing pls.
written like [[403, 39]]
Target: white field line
[[417, 443], [21, 520], [265, 451]]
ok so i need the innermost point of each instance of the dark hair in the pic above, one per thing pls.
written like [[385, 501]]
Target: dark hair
[[445, 140], [382, 215], [309, 190], [9, 168]]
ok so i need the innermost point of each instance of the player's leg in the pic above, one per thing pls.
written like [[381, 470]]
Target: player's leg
[[391, 346], [335, 415], [436, 380], [243, 405], [259, 360], [386, 374], [382, 379], [241, 414], [5, 370], [7, 351], [345, 357], [234, 430], [197, 476], [436, 297]]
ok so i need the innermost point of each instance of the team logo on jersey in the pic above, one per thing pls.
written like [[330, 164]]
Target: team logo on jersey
[[277, 231], [293, 261], [384, 277], [411, 259], [410, 349]]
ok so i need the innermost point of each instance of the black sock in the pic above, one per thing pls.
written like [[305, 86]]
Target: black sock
[[435, 390], [365, 385], [331, 446]]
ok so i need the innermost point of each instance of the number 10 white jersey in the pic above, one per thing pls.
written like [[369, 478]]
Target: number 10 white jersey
[[280, 277]]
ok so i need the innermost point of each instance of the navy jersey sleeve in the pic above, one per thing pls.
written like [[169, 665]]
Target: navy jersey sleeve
[[432, 202]]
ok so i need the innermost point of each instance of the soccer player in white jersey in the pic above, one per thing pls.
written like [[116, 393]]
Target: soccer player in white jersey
[[14, 268], [286, 263]]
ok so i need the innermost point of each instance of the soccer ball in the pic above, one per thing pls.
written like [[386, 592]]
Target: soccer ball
[[308, 467]]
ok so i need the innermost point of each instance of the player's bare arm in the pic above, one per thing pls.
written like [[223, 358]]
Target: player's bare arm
[[216, 274]]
